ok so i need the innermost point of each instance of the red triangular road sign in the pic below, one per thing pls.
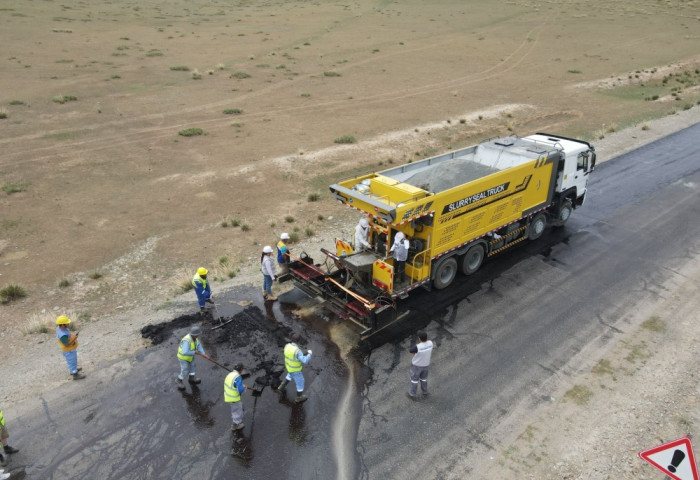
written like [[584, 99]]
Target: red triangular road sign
[[674, 458]]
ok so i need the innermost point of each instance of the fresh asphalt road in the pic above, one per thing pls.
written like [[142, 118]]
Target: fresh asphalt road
[[502, 334], [530, 314]]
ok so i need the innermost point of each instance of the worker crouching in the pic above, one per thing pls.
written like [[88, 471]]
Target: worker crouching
[[294, 359], [233, 388]]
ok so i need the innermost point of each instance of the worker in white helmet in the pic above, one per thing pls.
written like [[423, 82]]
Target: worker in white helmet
[[283, 253], [267, 267], [400, 249], [362, 236]]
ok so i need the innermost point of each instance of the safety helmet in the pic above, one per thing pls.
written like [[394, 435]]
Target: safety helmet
[[284, 236], [195, 331], [267, 249], [364, 223], [62, 320], [202, 271], [399, 236]]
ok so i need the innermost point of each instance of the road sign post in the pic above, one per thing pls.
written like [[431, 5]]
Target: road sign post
[[675, 459]]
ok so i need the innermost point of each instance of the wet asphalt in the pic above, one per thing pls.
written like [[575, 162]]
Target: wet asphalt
[[503, 337]]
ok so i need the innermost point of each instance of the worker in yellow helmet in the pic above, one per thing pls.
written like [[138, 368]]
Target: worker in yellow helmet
[[201, 288], [69, 345]]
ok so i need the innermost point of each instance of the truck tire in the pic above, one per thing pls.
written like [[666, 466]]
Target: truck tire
[[564, 211], [472, 260], [445, 272], [536, 228]]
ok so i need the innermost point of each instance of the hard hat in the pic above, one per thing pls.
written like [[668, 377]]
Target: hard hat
[[267, 249], [202, 271], [364, 223], [62, 320], [399, 236], [196, 331], [284, 236]]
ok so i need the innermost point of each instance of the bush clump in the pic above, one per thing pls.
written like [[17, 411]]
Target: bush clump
[[345, 139], [191, 132], [12, 292]]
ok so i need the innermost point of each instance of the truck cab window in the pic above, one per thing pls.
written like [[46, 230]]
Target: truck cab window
[[582, 161]]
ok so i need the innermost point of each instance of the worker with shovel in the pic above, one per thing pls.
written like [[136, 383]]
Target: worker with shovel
[[294, 358], [202, 289], [189, 347], [233, 388]]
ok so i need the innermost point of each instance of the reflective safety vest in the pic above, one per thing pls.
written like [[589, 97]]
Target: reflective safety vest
[[194, 345], [2, 420], [197, 279], [231, 393], [72, 342], [291, 361]]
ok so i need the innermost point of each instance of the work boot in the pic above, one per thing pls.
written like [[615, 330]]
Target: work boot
[[300, 397], [272, 298], [194, 380], [9, 449], [78, 376], [283, 386], [237, 426], [264, 294], [179, 383]]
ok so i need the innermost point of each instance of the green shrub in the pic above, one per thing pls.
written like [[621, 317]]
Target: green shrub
[[154, 53], [345, 139], [16, 102], [331, 74], [293, 237], [180, 68], [4, 113], [233, 111], [64, 98], [309, 232], [313, 197], [240, 75], [320, 217], [245, 227], [235, 222], [289, 219], [12, 292], [10, 188], [63, 283], [191, 132], [95, 275]]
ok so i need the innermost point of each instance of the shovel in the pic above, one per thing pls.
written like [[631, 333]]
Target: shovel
[[244, 373], [215, 315]]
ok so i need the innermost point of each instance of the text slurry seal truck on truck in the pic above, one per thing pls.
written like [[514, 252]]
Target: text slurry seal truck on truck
[[455, 209]]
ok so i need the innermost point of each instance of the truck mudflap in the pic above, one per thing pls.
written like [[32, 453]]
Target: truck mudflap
[[327, 283]]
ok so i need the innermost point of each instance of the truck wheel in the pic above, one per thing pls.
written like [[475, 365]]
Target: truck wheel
[[445, 272], [564, 212], [472, 260], [537, 226]]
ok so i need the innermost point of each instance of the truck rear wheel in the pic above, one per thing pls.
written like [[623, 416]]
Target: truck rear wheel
[[445, 272], [472, 260], [537, 225]]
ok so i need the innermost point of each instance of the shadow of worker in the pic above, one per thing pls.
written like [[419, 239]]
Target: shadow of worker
[[198, 411]]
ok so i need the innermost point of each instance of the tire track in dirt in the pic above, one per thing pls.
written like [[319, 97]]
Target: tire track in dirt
[[161, 132]]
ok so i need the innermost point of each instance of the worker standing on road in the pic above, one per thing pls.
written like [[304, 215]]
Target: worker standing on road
[[6, 449], [283, 254], [294, 358], [268, 270], [69, 345], [188, 348], [233, 388], [419, 364], [400, 249], [201, 288], [362, 236]]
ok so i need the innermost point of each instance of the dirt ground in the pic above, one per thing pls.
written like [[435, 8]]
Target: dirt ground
[[110, 201]]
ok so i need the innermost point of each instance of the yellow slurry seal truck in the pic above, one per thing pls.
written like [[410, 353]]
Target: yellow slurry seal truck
[[455, 210]]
